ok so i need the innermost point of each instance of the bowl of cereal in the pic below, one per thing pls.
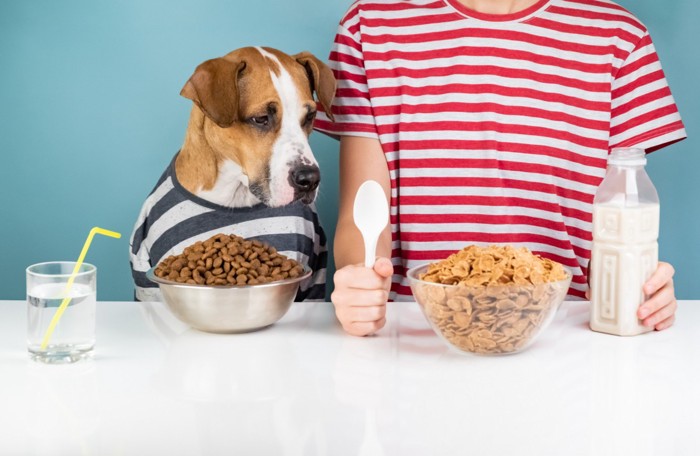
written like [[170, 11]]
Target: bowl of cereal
[[490, 300], [228, 284]]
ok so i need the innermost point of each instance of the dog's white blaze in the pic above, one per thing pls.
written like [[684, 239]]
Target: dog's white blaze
[[292, 144], [231, 187]]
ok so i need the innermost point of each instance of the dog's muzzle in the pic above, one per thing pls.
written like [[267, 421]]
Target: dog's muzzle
[[304, 180]]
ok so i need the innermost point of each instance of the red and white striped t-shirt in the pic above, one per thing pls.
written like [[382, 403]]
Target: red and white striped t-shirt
[[497, 128]]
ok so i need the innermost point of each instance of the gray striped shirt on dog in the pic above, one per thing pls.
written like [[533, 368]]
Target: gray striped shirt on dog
[[172, 218]]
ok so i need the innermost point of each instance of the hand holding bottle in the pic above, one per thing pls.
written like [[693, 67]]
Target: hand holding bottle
[[626, 280], [659, 310]]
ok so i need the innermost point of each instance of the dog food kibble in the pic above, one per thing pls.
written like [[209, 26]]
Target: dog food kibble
[[228, 260]]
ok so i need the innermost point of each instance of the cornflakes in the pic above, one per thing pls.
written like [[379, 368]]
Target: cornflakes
[[503, 296]]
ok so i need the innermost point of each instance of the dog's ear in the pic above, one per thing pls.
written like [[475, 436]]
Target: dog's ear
[[321, 79], [214, 88]]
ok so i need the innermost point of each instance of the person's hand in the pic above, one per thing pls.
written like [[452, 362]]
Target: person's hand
[[659, 310], [360, 296]]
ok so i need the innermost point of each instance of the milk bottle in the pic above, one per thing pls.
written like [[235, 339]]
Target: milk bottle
[[625, 248]]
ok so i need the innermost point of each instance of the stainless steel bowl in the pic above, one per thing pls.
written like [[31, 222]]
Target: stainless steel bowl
[[229, 309]]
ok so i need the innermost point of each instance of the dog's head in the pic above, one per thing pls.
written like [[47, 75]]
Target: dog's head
[[259, 109]]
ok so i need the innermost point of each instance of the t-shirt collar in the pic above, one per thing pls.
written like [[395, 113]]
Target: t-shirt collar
[[512, 17]]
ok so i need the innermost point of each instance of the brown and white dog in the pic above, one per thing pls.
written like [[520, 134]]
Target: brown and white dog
[[246, 166], [247, 140]]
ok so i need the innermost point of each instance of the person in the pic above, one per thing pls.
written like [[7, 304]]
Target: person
[[487, 121]]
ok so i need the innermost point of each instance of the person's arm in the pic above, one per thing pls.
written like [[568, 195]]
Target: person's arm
[[360, 293], [361, 159], [640, 93]]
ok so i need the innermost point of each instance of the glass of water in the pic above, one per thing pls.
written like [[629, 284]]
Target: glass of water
[[73, 338]]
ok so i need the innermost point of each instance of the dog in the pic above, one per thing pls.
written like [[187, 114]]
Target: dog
[[245, 166]]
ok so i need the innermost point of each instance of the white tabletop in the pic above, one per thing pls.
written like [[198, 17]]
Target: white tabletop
[[302, 387]]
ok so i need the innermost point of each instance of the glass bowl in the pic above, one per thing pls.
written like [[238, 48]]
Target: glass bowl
[[488, 319]]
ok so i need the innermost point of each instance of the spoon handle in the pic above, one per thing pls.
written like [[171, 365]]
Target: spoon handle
[[370, 250]]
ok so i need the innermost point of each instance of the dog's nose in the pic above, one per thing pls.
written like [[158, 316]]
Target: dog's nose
[[305, 179]]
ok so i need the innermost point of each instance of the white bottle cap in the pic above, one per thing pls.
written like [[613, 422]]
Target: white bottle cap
[[627, 156]]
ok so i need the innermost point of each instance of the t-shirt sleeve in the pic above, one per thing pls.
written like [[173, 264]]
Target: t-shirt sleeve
[[352, 109], [644, 113]]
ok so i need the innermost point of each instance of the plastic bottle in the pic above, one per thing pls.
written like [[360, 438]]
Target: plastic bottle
[[625, 243]]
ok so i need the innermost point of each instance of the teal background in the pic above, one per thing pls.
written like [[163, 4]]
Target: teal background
[[90, 116]]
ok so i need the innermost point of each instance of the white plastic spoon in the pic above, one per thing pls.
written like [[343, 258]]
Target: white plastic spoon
[[371, 214]]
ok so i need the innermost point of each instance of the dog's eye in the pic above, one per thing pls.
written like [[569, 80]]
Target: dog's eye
[[310, 117], [260, 121]]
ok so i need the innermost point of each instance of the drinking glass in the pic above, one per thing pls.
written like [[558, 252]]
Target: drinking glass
[[73, 338]]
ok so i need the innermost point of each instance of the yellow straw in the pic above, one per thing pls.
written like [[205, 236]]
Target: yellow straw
[[66, 300]]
